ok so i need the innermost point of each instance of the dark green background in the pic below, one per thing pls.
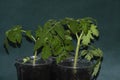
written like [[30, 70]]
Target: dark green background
[[31, 13]]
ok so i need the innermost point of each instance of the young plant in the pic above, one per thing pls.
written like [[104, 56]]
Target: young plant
[[60, 42], [40, 40], [50, 40], [60, 38], [84, 31]]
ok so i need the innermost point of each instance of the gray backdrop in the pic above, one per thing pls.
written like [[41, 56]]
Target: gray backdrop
[[31, 13]]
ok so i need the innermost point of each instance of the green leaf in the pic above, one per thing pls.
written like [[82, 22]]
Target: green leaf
[[62, 57], [85, 25], [69, 47], [88, 57], [46, 52], [41, 38], [84, 52], [59, 30], [96, 69], [96, 52], [68, 42], [14, 34], [68, 37], [74, 26], [90, 20], [39, 32], [94, 30], [58, 51], [26, 59], [49, 24], [18, 37], [99, 52], [38, 44], [65, 20], [86, 39], [55, 41]]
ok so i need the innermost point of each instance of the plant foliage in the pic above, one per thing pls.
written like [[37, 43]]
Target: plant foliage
[[60, 37], [84, 32]]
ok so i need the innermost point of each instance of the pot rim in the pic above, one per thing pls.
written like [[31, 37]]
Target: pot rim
[[77, 67], [46, 62]]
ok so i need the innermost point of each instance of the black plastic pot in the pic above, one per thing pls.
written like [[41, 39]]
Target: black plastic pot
[[53, 68], [66, 71], [28, 71]]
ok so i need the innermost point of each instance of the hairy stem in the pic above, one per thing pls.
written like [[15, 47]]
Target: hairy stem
[[35, 56], [31, 35], [77, 49]]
